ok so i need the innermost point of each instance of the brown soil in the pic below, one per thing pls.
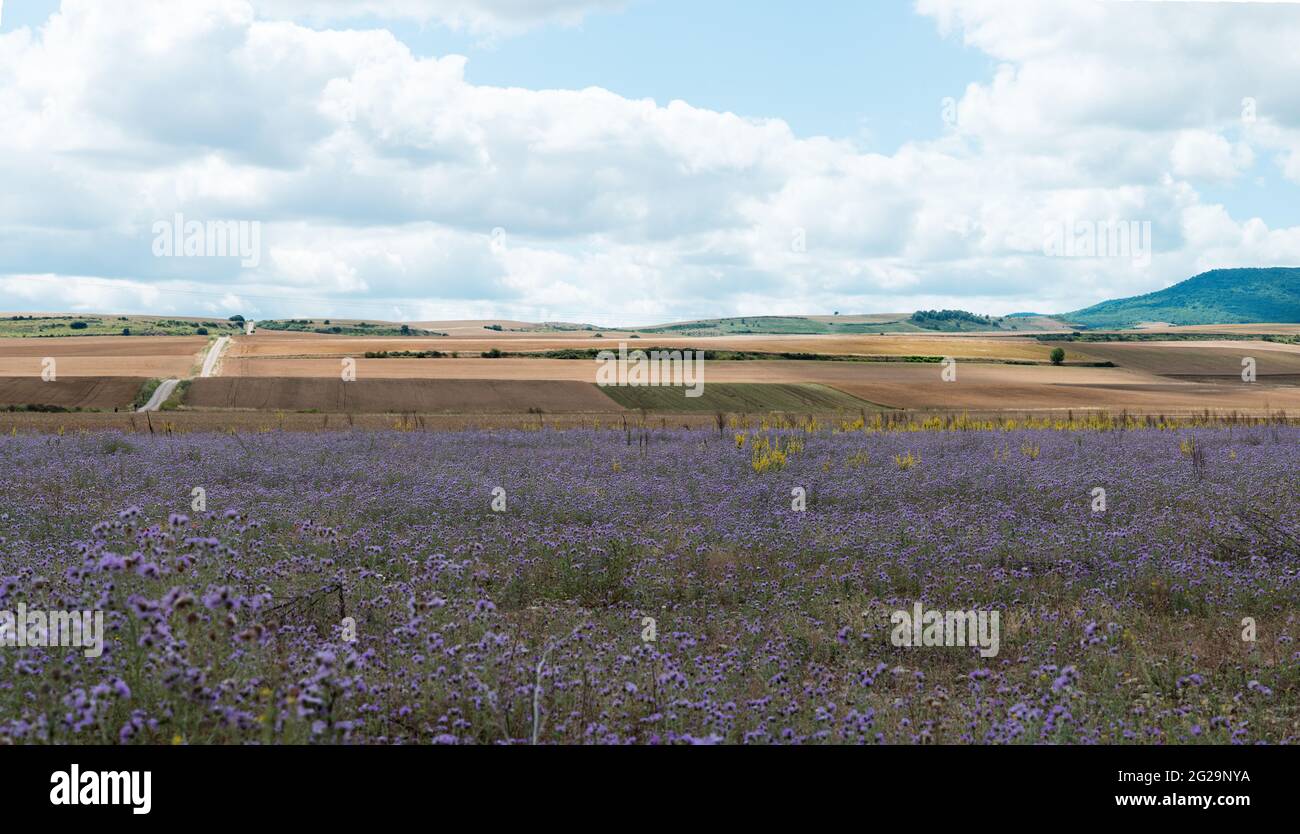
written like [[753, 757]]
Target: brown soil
[[104, 346], [1203, 359], [70, 392], [389, 396]]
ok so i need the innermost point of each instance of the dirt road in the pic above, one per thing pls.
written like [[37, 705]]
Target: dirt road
[[160, 395], [214, 355]]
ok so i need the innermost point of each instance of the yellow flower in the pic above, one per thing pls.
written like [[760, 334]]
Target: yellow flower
[[178, 739]]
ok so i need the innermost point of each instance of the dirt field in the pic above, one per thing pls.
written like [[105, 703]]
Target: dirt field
[[739, 397], [301, 372], [103, 356], [397, 396], [895, 385], [579, 370], [1260, 329], [311, 345], [1201, 360], [1156, 398], [70, 392], [102, 366], [104, 346]]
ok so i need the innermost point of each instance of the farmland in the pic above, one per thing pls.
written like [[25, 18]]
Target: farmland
[[766, 625], [970, 347], [396, 396], [301, 372], [747, 398], [102, 356], [69, 393], [1203, 359]]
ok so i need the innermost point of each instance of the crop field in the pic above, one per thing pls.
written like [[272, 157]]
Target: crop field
[[397, 396], [1202, 360], [102, 356], [962, 347], [1249, 329], [994, 372], [745, 398], [106, 393], [656, 586]]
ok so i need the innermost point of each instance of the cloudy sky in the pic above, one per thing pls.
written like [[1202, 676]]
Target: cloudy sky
[[635, 161]]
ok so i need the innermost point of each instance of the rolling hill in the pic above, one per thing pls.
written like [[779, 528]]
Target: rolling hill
[[1221, 296], [924, 321]]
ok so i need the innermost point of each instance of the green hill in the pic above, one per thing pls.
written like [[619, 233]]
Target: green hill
[[1221, 296]]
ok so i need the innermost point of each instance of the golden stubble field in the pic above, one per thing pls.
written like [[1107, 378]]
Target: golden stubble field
[[102, 356]]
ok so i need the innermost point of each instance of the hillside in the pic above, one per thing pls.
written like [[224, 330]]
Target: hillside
[[1221, 296], [925, 321]]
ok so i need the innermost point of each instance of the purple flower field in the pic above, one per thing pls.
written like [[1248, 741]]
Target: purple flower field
[[654, 587]]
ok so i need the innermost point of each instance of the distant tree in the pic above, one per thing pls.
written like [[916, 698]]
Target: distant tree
[[126, 331], [1058, 356], [406, 330], [236, 318], [202, 331], [78, 325]]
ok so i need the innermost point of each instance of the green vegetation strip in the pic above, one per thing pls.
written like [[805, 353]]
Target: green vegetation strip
[[177, 397], [328, 328], [146, 391]]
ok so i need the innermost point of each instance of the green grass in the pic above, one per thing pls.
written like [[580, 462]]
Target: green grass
[[745, 397], [146, 391], [177, 396]]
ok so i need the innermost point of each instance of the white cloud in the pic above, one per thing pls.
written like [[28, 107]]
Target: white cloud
[[490, 17], [1199, 154], [379, 175]]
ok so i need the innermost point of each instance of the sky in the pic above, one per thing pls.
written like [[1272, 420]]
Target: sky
[[624, 162]]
